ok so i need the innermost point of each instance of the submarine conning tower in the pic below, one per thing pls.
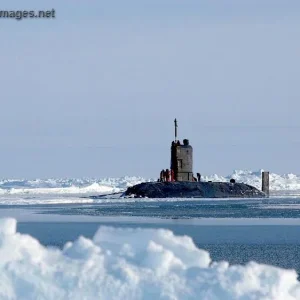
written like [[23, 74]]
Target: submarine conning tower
[[179, 182], [181, 159]]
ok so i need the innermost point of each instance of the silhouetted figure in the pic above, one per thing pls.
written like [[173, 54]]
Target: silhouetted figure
[[172, 175], [232, 180], [199, 177], [161, 176], [164, 175], [167, 175]]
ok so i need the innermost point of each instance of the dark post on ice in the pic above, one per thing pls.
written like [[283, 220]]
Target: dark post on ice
[[266, 183]]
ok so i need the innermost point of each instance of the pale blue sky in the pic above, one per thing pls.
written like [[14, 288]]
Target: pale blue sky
[[94, 92]]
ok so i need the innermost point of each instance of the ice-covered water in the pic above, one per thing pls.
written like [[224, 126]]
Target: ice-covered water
[[53, 191], [128, 262]]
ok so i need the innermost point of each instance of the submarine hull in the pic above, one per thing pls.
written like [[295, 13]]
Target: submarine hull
[[193, 190]]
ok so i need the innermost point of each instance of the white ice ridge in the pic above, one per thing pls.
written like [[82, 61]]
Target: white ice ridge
[[284, 182], [89, 186], [82, 186], [130, 264]]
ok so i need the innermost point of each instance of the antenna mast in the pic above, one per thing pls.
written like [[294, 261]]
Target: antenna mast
[[175, 122]]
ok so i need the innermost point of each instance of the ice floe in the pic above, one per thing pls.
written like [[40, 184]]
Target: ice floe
[[131, 264]]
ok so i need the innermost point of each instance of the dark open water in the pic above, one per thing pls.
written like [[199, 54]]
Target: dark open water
[[286, 208]]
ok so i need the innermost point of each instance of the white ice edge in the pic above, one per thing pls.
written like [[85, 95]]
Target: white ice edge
[[39, 215], [68, 199]]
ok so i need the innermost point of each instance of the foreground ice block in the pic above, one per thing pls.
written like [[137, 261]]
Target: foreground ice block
[[131, 264]]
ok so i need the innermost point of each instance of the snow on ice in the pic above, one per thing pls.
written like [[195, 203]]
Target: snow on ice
[[130, 264], [53, 191]]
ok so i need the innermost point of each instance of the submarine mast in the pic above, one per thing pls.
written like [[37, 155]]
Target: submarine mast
[[175, 123]]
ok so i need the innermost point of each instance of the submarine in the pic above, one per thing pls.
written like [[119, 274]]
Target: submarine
[[179, 181]]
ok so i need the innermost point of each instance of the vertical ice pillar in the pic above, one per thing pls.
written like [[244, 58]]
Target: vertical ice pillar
[[265, 183]]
